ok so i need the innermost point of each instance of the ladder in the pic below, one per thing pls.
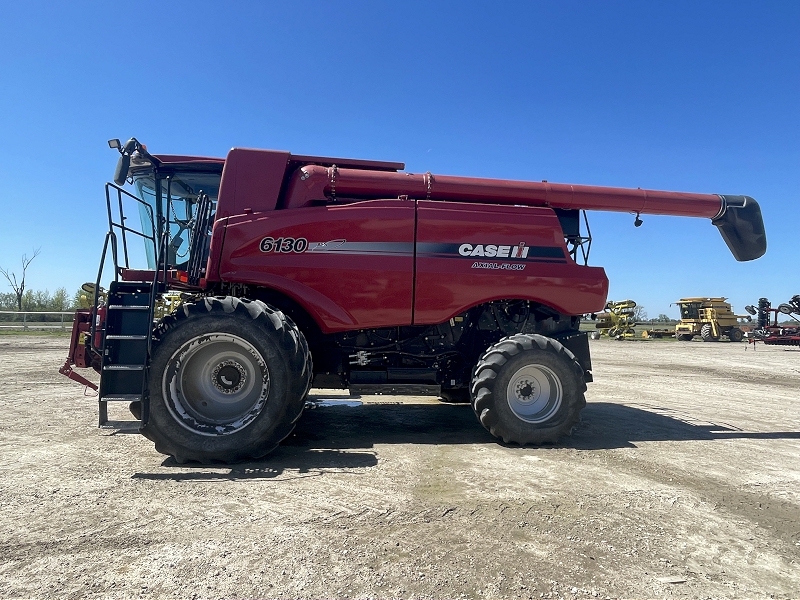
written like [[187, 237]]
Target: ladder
[[128, 331]]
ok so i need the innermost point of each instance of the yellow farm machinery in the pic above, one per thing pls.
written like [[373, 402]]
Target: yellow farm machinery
[[710, 318], [617, 320]]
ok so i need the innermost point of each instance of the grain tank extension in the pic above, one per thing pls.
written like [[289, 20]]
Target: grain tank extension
[[265, 273]]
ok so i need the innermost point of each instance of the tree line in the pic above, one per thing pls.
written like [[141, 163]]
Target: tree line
[[23, 299], [40, 300]]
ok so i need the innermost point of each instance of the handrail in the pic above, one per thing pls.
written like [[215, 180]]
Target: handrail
[[111, 237], [122, 226]]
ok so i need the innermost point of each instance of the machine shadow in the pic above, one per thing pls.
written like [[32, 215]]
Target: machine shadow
[[297, 465], [606, 426], [341, 435], [603, 426]]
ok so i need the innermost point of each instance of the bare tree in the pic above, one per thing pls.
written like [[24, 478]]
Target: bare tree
[[19, 287], [639, 314]]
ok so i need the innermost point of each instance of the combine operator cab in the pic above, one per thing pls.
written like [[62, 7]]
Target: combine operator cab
[[174, 202]]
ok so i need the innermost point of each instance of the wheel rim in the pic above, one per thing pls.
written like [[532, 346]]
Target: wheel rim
[[534, 393], [216, 384]]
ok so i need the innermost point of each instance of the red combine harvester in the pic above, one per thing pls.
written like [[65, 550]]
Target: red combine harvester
[[769, 331], [268, 272]]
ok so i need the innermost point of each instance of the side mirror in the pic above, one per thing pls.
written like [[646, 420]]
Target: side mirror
[[124, 163], [121, 173]]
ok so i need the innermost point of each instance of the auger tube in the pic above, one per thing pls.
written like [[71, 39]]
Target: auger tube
[[737, 217]]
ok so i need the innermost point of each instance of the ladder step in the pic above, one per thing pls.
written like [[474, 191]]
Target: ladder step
[[123, 368], [127, 307], [126, 337], [121, 398]]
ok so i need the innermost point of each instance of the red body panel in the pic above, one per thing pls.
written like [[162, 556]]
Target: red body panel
[[356, 266], [355, 270], [448, 281], [251, 181]]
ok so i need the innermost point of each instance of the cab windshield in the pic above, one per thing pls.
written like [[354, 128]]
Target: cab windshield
[[180, 192], [690, 311]]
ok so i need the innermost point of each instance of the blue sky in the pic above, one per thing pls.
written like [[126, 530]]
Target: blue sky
[[685, 96]]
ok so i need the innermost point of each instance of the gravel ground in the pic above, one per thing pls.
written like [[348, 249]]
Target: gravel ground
[[682, 480]]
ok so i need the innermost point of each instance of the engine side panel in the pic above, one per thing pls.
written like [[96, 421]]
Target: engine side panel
[[468, 254], [251, 181], [350, 266]]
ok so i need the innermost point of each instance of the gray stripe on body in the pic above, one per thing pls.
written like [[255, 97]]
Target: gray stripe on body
[[364, 248]]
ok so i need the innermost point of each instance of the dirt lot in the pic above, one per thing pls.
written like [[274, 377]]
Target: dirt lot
[[683, 480]]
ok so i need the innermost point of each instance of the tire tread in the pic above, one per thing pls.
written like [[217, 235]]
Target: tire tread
[[487, 371], [284, 333]]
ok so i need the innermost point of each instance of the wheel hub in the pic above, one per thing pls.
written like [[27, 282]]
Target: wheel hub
[[216, 384], [525, 390], [229, 377], [534, 393]]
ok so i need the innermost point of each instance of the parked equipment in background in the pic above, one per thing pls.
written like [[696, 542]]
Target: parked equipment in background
[[710, 318], [658, 333], [617, 320], [275, 271], [769, 331]]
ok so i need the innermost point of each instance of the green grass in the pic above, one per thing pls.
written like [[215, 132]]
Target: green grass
[[37, 332]]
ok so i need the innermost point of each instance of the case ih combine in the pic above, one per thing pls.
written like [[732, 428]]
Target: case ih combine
[[349, 273]]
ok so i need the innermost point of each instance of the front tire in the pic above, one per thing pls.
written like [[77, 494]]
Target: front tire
[[736, 335], [707, 333], [528, 389], [227, 381]]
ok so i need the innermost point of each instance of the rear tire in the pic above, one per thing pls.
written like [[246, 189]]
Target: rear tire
[[528, 389], [707, 333], [227, 381], [736, 335]]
